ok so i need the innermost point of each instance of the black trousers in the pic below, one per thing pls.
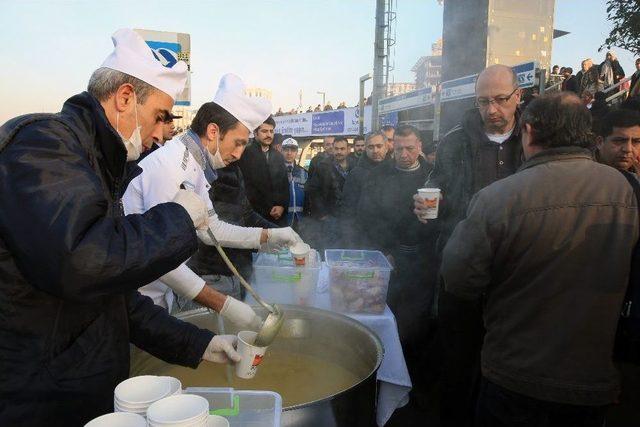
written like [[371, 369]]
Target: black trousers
[[499, 407], [461, 331]]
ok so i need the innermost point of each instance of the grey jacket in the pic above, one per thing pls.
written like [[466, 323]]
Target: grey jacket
[[550, 249]]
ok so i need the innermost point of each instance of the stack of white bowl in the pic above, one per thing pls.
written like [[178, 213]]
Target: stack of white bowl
[[186, 410], [118, 419], [136, 394]]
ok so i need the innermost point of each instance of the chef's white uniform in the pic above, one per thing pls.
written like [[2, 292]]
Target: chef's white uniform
[[164, 171]]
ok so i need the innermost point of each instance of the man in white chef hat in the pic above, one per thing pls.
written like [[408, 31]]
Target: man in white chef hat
[[71, 261], [218, 135]]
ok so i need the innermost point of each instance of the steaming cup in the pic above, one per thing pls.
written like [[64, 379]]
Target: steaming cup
[[431, 197], [300, 253], [251, 355]]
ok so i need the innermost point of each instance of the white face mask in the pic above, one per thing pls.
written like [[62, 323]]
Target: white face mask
[[216, 159], [133, 144]]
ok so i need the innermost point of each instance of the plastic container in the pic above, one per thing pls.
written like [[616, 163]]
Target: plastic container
[[242, 408], [358, 280], [279, 280]]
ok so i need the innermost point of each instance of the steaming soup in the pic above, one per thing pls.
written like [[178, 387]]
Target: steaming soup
[[297, 378]]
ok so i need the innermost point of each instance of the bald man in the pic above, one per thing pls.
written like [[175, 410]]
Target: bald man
[[482, 149]]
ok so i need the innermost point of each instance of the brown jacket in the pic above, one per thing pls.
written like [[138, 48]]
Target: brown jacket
[[550, 249]]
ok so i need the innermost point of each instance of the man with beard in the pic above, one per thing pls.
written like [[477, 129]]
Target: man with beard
[[265, 175], [618, 140]]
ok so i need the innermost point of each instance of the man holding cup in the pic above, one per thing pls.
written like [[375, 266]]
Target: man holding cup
[[482, 149]]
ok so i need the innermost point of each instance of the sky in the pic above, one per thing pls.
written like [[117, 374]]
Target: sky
[[51, 47]]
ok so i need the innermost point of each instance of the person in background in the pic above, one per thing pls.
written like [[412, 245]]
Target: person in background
[[297, 176], [358, 148], [588, 78], [429, 151], [484, 148], [599, 108], [385, 210], [618, 139], [327, 153], [324, 192], [375, 156], [523, 249], [634, 90], [169, 128], [611, 71], [389, 131], [570, 82], [328, 107], [265, 176]]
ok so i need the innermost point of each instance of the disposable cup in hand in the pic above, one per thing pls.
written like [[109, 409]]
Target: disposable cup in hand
[[300, 253], [251, 355], [431, 197]]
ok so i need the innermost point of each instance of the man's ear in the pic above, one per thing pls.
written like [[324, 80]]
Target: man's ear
[[124, 96], [599, 141], [213, 131]]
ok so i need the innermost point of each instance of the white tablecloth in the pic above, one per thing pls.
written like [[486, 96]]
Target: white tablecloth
[[394, 382]]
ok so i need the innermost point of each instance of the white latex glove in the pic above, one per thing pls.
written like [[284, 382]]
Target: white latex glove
[[221, 349], [280, 238], [195, 207], [241, 314]]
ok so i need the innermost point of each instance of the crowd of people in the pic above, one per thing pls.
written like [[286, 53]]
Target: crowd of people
[[507, 302]]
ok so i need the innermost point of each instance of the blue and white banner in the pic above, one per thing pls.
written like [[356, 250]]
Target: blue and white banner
[[465, 87], [406, 101], [335, 122]]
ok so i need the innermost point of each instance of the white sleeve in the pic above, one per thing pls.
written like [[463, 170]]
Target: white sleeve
[[231, 236], [184, 282]]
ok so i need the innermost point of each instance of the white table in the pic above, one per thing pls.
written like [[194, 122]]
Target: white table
[[394, 383]]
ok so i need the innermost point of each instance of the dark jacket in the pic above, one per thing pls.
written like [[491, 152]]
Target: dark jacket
[[351, 224], [466, 162], [231, 204], [550, 247], [385, 208], [265, 180], [570, 84], [70, 264], [324, 188], [313, 164]]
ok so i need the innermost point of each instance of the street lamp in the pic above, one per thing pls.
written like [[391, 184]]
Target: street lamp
[[361, 103], [324, 95]]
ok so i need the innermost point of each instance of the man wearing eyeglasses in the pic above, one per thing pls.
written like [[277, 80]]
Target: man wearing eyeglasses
[[482, 149]]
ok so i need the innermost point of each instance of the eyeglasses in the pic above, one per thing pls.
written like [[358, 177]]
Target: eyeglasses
[[499, 100]]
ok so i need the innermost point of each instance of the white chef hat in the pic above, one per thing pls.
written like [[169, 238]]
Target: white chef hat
[[232, 96], [290, 143], [131, 55]]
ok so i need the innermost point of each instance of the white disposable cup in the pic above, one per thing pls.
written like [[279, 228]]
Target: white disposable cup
[[251, 355], [217, 421], [431, 197], [118, 419], [175, 384], [300, 253], [141, 391], [179, 410]]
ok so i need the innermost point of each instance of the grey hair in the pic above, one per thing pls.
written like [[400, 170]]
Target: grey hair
[[104, 82], [371, 135]]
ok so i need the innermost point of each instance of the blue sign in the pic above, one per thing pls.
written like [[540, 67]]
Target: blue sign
[[389, 119], [327, 123]]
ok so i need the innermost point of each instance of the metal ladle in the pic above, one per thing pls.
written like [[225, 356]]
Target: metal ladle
[[272, 324]]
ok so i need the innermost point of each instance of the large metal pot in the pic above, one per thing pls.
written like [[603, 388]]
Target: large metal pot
[[332, 337]]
